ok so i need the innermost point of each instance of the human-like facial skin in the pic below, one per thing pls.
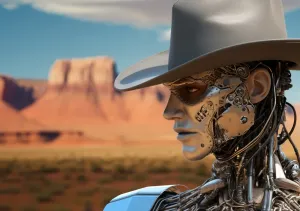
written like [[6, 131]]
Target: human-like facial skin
[[197, 107]]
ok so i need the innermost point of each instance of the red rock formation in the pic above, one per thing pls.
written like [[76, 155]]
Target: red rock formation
[[15, 95], [13, 121], [80, 96], [37, 86], [14, 127]]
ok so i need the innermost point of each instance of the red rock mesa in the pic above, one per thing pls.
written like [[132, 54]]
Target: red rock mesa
[[14, 127], [15, 94], [80, 96]]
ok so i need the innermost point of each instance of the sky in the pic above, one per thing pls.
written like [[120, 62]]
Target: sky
[[34, 33]]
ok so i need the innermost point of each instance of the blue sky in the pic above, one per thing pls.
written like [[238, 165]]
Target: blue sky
[[33, 35]]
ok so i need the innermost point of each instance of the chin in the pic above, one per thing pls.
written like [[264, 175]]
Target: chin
[[194, 156], [196, 148]]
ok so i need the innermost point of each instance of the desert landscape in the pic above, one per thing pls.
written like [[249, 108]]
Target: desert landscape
[[73, 142]]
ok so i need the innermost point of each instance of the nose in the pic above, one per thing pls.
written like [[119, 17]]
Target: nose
[[173, 109]]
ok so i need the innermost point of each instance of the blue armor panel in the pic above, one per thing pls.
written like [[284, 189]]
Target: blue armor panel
[[139, 200]]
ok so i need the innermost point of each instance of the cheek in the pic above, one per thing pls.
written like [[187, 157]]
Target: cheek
[[200, 116], [192, 111], [206, 109]]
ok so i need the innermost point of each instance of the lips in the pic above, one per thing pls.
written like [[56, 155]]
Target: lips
[[185, 135]]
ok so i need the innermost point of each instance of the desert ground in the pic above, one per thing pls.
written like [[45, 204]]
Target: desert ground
[[87, 177]]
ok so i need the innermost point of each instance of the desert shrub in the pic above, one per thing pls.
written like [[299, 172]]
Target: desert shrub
[[7, 166], [5, 207], [156, 182], [202, 170], [67, 185], [107, 179], [58, 207], [45, 180], [48, 169], [184, 168], [96, 167], [140, 177], [33, 188], [81, 178], [88, 205], [69, 169], [57, 189], [119, 177], [44, 196], [11, 180], [69, 166], [191, 178], [108, 196], [80, 165], [121, 169], [10, 190], [88, 192], [4, 171], [29, 208], [67, 176], [159, 168]]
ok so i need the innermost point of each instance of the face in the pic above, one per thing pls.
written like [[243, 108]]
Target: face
[[210, 109]]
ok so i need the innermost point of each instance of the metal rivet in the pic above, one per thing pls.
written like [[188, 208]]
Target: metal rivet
[[231, 97], [238, 101], [240, 91], [243, 72], [244, 120]]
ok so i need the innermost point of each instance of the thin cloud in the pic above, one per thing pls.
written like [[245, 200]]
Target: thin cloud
[[137, 13], [10, 6]]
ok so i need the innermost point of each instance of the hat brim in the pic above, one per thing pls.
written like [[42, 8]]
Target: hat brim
[[154, 70]]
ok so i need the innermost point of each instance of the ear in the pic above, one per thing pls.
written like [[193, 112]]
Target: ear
[[258, 84]]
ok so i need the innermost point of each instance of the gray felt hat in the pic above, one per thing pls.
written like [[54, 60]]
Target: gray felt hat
[[207, 34]]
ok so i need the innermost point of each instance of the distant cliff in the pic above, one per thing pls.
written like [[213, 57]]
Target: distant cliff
[[18, 93], [80, 95]]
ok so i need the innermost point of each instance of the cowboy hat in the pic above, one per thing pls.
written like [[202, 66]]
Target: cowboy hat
[[207, 34]]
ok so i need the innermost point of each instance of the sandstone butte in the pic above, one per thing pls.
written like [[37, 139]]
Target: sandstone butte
[[80, 96], [15, 128], [12, 120]]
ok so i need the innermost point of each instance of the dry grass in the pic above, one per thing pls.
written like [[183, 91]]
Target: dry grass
[[148, 151], [63, 179], [76, 178]]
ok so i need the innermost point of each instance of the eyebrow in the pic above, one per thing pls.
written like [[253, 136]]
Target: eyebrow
[[181, 82]]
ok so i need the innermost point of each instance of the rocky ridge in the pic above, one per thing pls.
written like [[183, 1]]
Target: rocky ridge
[[80, 95]]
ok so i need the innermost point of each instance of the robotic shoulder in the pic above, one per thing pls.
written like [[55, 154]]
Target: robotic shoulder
[[141, 199]]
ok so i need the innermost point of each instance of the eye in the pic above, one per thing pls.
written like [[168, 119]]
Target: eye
[[191, 93], [192, 89]]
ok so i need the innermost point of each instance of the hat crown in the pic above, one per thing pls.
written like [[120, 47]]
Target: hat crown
[[200, 27]]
